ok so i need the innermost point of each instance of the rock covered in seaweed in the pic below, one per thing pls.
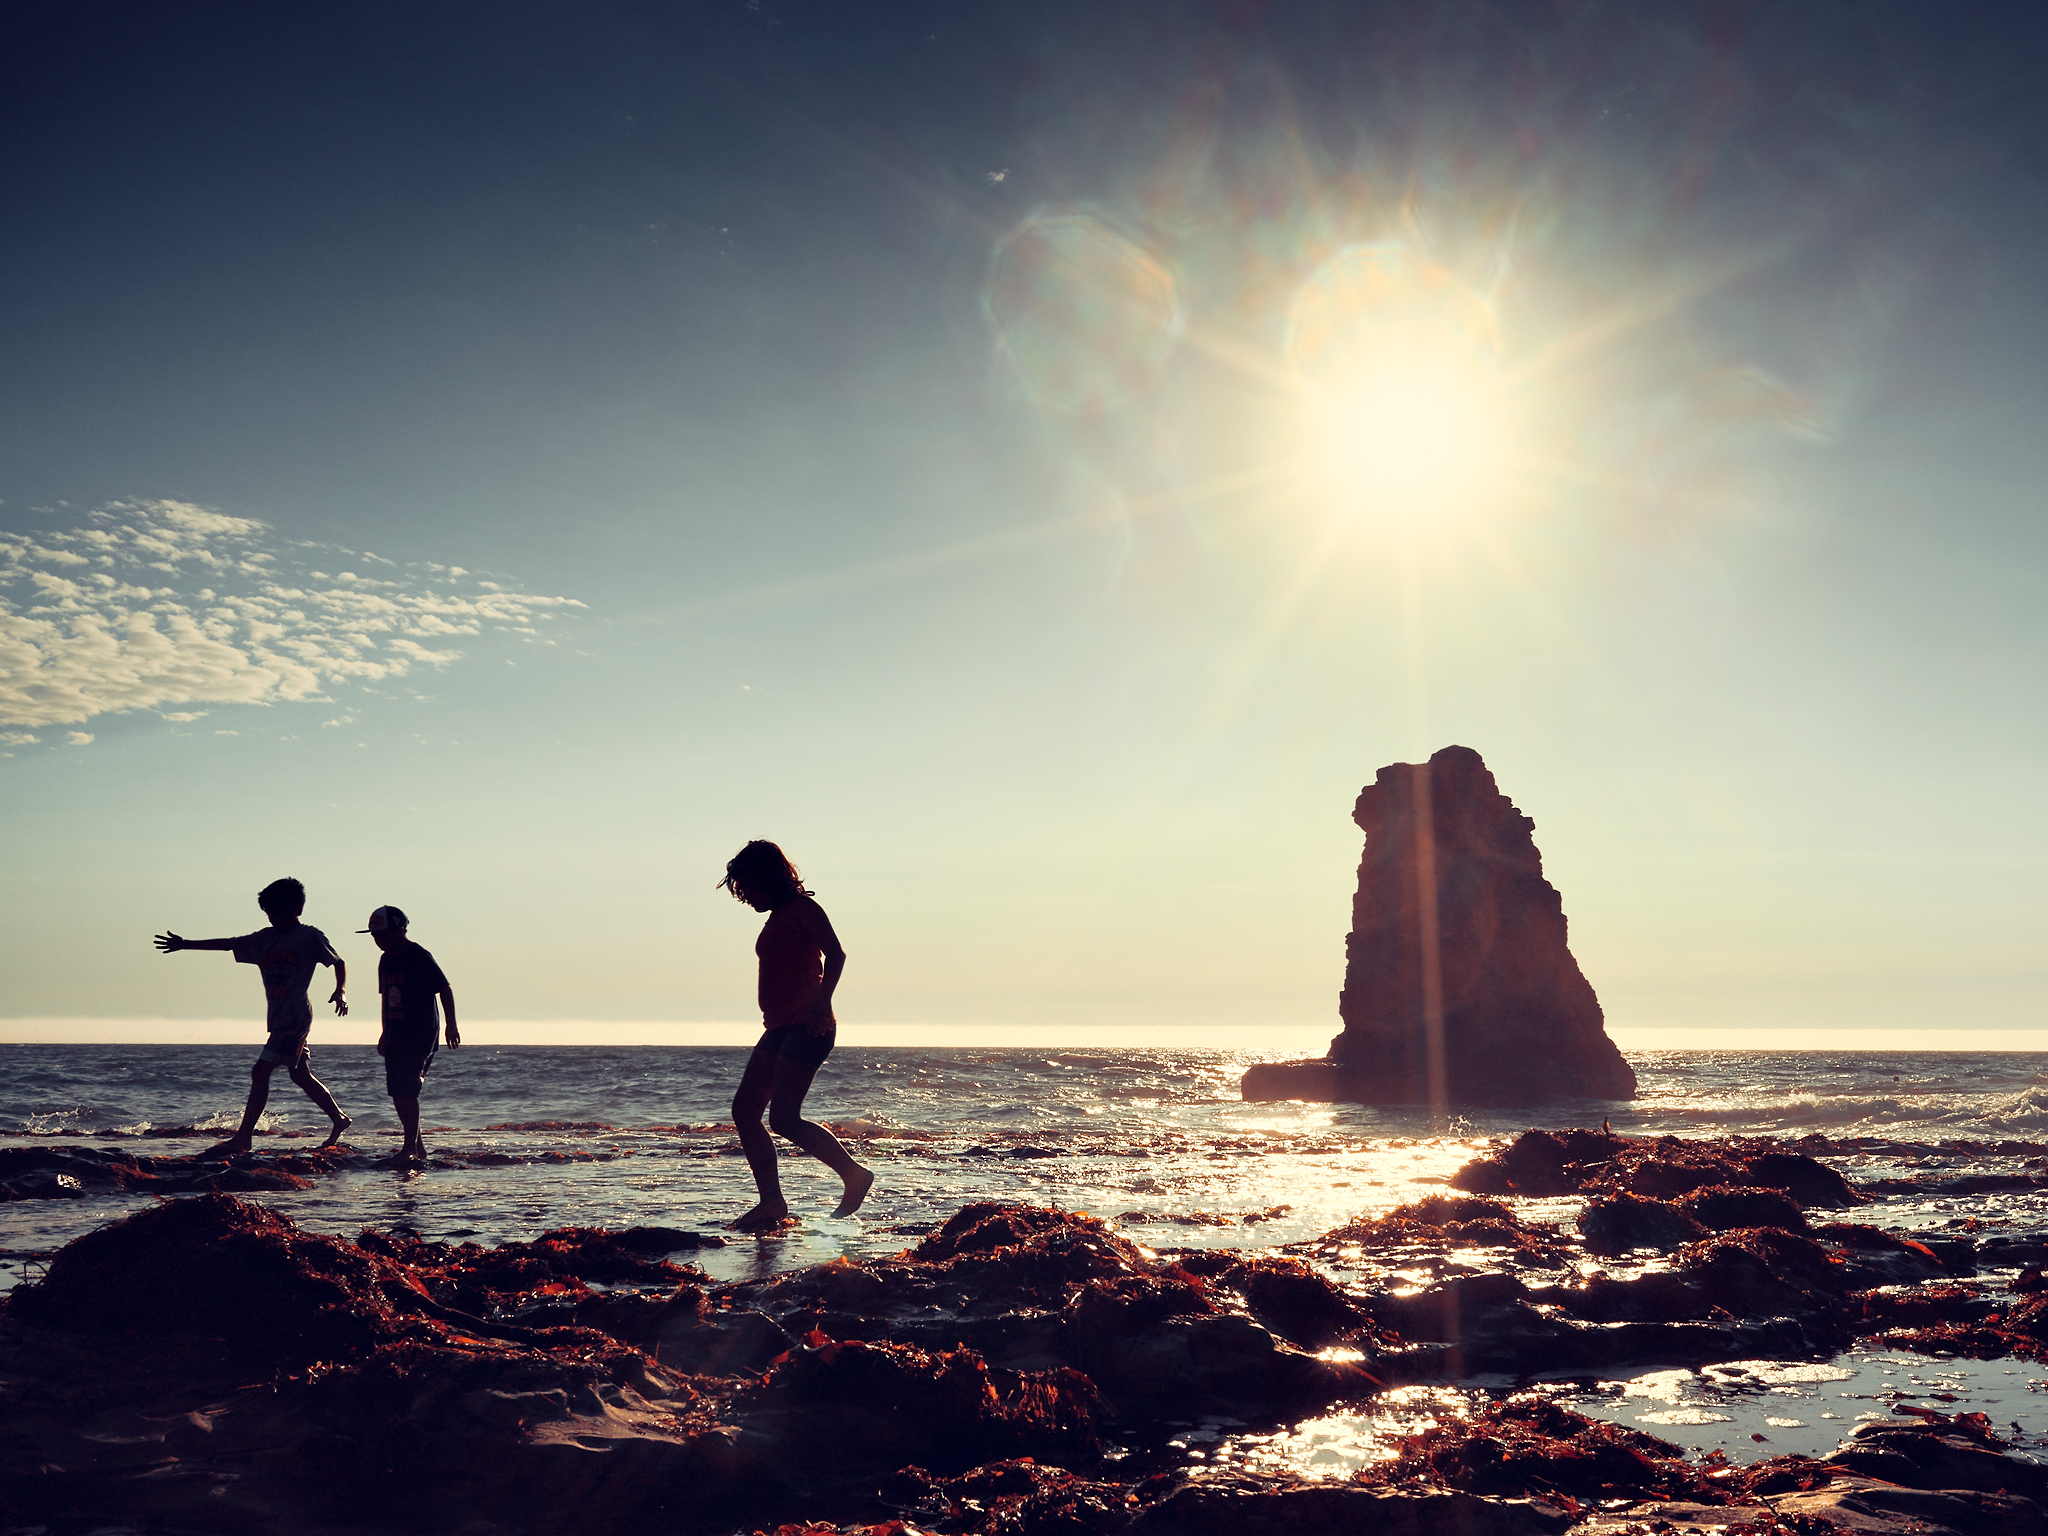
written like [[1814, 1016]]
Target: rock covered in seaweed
[[207, 1365], [463, 1383], [217, 1267], [1459, 986], [68, 1173], [1539, 1163], [1021, 1498]]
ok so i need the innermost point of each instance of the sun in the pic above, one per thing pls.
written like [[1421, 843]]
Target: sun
[[1394, 364], [1412, 436]]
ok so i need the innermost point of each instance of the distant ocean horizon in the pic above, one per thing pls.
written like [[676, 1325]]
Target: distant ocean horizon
[[1269, 1041]]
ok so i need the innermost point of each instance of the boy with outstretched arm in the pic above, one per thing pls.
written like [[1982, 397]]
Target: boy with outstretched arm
[[409, 980], [285, 954]]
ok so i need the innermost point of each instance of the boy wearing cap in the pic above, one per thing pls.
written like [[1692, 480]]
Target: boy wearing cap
[[409, 981], [286, 954]]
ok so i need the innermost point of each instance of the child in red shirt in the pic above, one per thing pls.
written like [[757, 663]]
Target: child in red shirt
[[801, 960]]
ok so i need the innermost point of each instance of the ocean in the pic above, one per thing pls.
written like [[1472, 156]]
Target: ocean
[[526, 1138]]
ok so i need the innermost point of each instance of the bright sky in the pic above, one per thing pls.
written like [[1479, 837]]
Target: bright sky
[[1035, 462]]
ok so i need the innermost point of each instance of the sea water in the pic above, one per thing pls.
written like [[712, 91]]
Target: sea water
[[522, 1139]]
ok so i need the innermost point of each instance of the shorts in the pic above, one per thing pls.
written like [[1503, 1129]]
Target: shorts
[[405, 1069], [290, 1049], [796, 1045]]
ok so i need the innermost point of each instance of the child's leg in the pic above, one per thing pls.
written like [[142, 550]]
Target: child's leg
[[259, 1095], [409, 1117], [749, 1099], [302, 1074], [785, 1117]]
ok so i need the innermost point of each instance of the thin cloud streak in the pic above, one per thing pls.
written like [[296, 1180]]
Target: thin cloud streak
[[158, 604]]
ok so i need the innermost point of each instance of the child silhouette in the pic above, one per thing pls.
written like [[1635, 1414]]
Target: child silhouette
[[801, 960], [286, 954]]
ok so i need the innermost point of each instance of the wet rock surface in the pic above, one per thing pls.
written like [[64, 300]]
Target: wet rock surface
[[64, 1173], [207, 1365], [1714, 1181], [1459, 986]]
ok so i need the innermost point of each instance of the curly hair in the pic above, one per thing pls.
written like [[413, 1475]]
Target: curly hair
[[764, 869], [286, 898]]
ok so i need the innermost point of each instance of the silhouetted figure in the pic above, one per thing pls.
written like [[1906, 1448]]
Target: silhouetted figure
[[800, 965], [286, 954], [408, 982]]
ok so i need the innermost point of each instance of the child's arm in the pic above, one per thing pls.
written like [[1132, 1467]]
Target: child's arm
[[820, 1020], [340, 984], [170, 943], [453, 1035]]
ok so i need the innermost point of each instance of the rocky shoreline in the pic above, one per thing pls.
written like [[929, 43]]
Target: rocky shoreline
[[207, 1365]]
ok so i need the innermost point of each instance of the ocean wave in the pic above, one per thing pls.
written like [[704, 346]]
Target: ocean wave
[[976, 1092], [2028, 1108], [1864, 1113], [48, 1125]]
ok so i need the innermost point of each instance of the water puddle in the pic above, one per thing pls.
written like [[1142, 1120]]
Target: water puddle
[[1750, 1409], [1747, 1409]]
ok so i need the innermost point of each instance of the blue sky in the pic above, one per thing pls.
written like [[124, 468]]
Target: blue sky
[[500, 459]]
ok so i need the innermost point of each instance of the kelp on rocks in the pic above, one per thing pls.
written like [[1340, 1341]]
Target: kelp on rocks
[[391, 1361], [1581, 1161], [206, 1364]]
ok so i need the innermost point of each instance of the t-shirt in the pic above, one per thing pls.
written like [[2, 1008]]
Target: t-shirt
[[792, 956], [286, 958], [409, 981]]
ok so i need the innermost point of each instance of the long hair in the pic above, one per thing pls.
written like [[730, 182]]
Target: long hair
[[764, 869]]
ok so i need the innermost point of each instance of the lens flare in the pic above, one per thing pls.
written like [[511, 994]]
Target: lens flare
[[1394, 359], [1086, 316]]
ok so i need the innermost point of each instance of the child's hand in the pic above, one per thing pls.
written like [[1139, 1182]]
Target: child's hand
[[454, 1036], [169, 943], [340, 1002]]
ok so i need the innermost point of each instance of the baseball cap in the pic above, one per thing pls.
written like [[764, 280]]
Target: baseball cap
[[383, 918]]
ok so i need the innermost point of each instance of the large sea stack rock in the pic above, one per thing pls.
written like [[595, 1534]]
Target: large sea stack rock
[[1458, 985]]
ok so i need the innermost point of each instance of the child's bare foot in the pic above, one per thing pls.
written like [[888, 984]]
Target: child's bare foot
[[340, 1125], [768, 1214], [234, 1146], [857, 1189]]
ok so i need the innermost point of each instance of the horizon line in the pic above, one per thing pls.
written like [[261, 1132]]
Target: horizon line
[[1297, 1040]]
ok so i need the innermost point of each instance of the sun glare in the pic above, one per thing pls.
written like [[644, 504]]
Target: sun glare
[[1394, 362], [1409, 438]]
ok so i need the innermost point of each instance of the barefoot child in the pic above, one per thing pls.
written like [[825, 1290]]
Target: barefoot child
[[286, 955], [800, 965], [408, 980]]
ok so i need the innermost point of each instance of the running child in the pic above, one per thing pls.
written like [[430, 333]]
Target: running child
[[800, 965], [408, 980], [285, 954]]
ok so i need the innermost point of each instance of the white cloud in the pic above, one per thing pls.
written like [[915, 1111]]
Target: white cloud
[[421, 653], [258, 626], [187, 716], [77, 738], [18, 738]]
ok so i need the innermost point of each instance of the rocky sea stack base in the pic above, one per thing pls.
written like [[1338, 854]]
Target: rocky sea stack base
[[205, 1365], [1459, 987]]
